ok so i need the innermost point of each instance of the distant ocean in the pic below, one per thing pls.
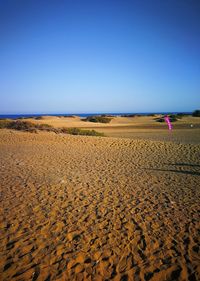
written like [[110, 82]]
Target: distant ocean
[[16, 116]]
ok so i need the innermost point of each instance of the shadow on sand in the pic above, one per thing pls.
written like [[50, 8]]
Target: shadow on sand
[[184, 164], [186, 172]]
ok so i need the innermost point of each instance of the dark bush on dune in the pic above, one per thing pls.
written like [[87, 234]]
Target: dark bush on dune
[[24, 117], [77, 131], [4, 123], [27, 126], [107, 115], [128, 115], [180, 115], [172, 118], [21, 125], [45, 127], [97, 119], [161, 119], [196, 113], [151, 114], [24, 126]]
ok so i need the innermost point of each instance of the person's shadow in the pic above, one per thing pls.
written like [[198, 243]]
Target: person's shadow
[[196, 173]]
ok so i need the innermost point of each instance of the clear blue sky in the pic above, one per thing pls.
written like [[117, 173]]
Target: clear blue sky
[[77, 56]]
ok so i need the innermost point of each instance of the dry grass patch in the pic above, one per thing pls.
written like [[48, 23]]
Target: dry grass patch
[[27, 126]]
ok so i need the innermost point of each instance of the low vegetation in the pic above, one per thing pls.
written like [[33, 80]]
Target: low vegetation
[[131, 115], [4, 123], [67, 116], [22, 118], [151, 114], [180, 115], [128, 115], [24, 126], [107, 115], [172, 118], [98, 119], [77, 131], [27, 126], [196, 113]]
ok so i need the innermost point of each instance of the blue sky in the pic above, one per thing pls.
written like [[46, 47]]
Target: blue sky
[[78, 56]]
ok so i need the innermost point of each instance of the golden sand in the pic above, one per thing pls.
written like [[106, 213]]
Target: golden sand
[[185, 130], [94, 208]]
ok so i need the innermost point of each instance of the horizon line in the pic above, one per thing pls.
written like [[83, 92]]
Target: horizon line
[[48, 113]]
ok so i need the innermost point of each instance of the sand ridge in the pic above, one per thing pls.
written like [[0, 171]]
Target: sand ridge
[[92, 208], [138, 127]]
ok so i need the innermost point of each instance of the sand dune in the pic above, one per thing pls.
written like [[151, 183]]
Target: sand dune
[[91, 208], [143, 127]]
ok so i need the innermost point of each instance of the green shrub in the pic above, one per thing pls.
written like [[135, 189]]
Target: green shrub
[[4, 123], [31, 127], [151, 114], [107, 115], [161, 119], [172, 118], [20, 125], [77, 131], [45, 127], [180, 115], [128, 115], [196, 113], [97, 119], [25, 117]]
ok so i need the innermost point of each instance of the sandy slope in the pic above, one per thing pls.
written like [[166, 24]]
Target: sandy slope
[[137, 122], [90, 208], [143, 127]]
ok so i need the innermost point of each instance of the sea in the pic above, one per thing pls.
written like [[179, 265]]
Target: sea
[[16, 116]]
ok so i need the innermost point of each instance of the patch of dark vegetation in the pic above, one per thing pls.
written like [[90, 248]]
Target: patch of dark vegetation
[[128, 115], [131, 115], [21, 125], [4, 123], [97, 119], [24, 126], [172, 118], [159, 119], [196, 113], [27, 126], [67, 116], [22, 118], [45, 127], [77, 131], [107, 115], [180, 115], [151, 114]]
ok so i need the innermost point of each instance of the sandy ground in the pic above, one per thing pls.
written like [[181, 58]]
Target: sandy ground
[[93, 208], [137, 122], [186, 130]]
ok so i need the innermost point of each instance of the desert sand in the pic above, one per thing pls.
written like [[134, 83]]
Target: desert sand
[[100, 208], [185, 130]]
